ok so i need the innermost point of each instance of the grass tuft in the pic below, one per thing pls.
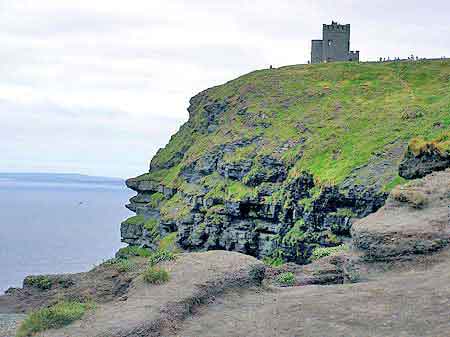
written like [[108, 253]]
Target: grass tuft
[[41, 282], [133, 251], [53, 317], [441, 144], [122, 265], [156, 275], [274, 262], [321, 252], [286, 279], [169, 242], [161, 255]]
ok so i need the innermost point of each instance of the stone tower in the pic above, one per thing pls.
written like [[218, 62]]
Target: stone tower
[[334, 46]]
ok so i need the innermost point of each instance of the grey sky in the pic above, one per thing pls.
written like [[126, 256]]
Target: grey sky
[[97, 86]]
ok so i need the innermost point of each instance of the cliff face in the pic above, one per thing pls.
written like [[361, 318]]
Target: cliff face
[[279, 162]]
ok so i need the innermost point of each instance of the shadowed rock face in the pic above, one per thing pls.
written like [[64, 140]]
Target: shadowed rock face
[[415, 220], [254, 227], [418, 166]]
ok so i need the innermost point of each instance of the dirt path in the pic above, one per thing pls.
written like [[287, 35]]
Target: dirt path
[[413, 302]]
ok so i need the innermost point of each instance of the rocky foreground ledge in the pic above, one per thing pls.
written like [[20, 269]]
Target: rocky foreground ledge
[[415, 220]]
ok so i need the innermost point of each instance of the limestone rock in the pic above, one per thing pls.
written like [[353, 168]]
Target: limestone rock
[[415, 220]]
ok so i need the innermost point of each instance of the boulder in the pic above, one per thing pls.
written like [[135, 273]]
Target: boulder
[[415, 220]]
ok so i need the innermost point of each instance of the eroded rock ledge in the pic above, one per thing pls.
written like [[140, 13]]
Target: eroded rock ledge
[[415, 220]]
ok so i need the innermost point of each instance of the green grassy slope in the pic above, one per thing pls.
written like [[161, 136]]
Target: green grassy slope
[[327, 119]]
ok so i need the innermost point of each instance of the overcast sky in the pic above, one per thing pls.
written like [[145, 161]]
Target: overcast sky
[[97, 86]]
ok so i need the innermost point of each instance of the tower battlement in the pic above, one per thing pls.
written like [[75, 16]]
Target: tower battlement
[[334, 46], [336, 27]]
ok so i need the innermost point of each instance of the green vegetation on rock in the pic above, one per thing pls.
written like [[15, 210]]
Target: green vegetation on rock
[[135, 220], [122, 265], [151, 225], [169, 242], [395, 182], [155, 275], [156, 199], [161, 255], [274, 262], [133, 251], [321, 252], [286, 279], [53, 317], [41, 282], [295, 234], [174, 208], [440, 144]]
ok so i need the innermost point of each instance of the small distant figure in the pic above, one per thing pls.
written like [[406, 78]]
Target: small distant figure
[[80, 203], [381, 59], [271, 67]]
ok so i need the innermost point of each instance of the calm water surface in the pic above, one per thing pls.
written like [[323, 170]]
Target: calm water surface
[[57, 227]]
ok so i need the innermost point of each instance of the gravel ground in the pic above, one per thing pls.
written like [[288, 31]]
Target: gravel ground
[[9, 323]]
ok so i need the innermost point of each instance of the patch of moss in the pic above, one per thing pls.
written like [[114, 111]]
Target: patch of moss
[[286, 279], [161, 255], [295, 235], [53, 317], [169, 242], [307, 202], [133, 251], [152, 226], [345, 212], [273, 262], [397, 181], [331, 238], [321, 252], [275, 198], [41, 282], [174, 209], [240, 154], [227, 189], [155, 275], [122, 265], [134, 220], [155, 199], [441, 144]]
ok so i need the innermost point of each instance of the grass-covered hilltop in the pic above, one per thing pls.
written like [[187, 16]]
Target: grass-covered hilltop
[[278, 162]]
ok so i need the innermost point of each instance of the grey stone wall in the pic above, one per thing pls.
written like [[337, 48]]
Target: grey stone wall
[[317, 51]]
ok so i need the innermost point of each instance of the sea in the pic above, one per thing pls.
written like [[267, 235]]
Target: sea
[[57, 223]]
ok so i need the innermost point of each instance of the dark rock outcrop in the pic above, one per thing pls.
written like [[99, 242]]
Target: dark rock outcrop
[[417, 166]]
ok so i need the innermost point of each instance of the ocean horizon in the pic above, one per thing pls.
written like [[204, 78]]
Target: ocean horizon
[[58, 223]]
